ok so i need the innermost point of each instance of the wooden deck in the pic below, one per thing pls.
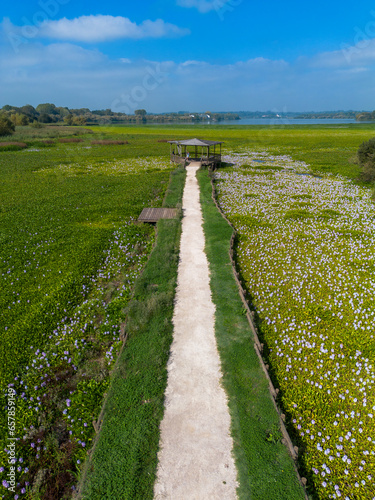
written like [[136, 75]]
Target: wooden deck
[[154, 214], [212, 161]]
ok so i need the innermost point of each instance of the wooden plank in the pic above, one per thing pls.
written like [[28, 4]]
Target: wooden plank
[[154, 214]]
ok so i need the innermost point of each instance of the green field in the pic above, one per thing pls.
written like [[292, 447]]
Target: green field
[[71, 254]]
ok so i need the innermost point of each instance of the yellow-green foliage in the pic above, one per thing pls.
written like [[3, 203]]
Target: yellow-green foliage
[[70, 254]]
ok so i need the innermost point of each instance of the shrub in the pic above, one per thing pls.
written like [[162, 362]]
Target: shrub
[[70, 139], [79, 120], [109, 142], [366, 158], [13, 143], [366, 151], [368, 171], [37, 124], [12, 146]]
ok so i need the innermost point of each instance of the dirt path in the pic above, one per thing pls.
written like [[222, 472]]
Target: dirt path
[[195, 460]]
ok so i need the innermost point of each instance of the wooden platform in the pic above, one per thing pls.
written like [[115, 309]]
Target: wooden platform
[[154, 214]]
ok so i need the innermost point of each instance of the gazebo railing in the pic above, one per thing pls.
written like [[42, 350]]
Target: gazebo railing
[[177, 159], [212, 157]]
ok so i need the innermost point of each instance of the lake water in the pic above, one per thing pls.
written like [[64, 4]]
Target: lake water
[[283, 121], [261, 121]]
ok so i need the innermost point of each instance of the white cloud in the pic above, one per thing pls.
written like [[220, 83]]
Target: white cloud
[[37, 57], [203, 5], [73, 76], [97, 28], [193, 63], [361, 54]]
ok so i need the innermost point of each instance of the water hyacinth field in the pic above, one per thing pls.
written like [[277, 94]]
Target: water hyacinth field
[[306, 251], [70, 255]]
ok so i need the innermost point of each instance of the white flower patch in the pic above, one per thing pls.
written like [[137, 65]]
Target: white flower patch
[[307, 252]]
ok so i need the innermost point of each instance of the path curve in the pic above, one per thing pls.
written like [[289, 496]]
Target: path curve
[[195, 459]]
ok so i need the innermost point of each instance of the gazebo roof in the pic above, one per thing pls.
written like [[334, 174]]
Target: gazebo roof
[[195, 142]]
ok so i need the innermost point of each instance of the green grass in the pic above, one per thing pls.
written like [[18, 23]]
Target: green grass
[[123, 464], [328, 148], [55, 223], [265, 468]]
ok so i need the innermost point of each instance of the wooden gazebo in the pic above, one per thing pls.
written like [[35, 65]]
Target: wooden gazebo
[[206, 152]]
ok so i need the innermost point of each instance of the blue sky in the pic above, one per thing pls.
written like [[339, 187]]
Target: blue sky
[[193, 55]]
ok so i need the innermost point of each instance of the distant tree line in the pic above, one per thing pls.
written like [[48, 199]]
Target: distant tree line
[[311, 115], [43, 114], [336, 115], [47, 113], [365, 116]]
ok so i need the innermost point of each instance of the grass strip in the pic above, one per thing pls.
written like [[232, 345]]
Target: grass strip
[[124, 460], [266, 471]]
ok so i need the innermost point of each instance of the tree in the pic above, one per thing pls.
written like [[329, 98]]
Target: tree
[[79, 120], [6, 126], [63, 112], [68, 119], [45, 118], [9, 108], [80, 111], [19, 119], [29, 111], [140, 112], [47, 108]]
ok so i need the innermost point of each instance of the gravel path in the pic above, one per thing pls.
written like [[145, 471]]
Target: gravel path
[[195, 460]]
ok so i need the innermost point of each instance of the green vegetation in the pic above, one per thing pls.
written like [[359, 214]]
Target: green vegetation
[[265, 467], [66, 216], [6, 126], [64, 213], [329, 148], [366, 157], [70, 256], [123, 463]]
